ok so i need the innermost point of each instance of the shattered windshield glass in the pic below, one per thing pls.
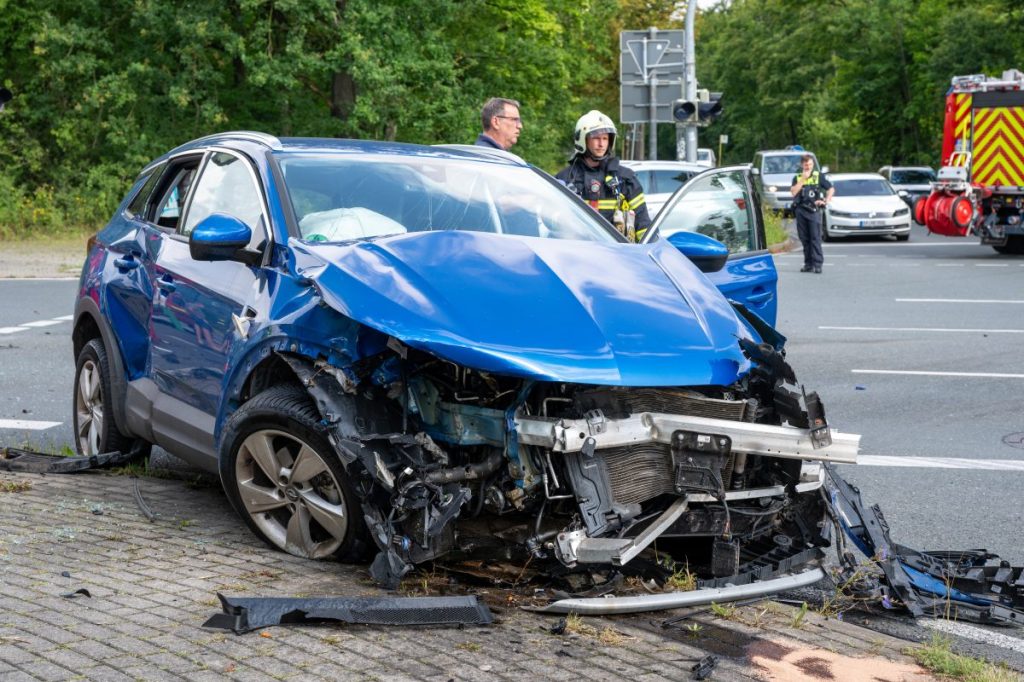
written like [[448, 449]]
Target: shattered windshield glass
[[344, 197]]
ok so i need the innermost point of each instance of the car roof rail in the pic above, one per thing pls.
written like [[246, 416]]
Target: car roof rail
[[250, 135], [485, 151]]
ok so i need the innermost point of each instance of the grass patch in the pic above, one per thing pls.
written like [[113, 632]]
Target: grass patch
[[574, 625], [774, 232], [15, 486], [682, 580], [938, 657], [469, 646], [726, 611]]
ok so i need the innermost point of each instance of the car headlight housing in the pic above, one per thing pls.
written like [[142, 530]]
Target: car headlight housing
[[839, 214], [901, 211]]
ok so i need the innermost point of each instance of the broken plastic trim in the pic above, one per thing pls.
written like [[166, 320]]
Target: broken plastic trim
[[948, 583], [245, 614], [14, 459], [672, 600]]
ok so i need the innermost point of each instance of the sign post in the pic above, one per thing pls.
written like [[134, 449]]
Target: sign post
[[650, 78]]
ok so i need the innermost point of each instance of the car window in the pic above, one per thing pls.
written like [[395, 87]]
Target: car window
[[171, 204], [916, 176], [346, 197], [670, 180], [227, 186], [137, 209], [869, 187], [717, 205], [788, 164]]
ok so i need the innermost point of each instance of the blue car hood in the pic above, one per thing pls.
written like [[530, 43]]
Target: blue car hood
[[547, 309]]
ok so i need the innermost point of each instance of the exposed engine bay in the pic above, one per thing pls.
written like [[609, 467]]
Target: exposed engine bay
[[449, 461]]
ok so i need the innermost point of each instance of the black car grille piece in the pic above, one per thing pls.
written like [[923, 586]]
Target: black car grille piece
[[244, 614]]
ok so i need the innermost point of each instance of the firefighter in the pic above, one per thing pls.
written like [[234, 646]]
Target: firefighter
[[594, 173], [811, 192]]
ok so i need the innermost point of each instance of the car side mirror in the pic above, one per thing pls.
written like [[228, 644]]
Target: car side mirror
[[824, 170], [709, 255], [755, 171], [220, 236], [902, 193]]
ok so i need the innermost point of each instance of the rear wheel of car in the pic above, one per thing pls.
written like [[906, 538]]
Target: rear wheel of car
[[285, 480], [1014, 246], [96, 432]]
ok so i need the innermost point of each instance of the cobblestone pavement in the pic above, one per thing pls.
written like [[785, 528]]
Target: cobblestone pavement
[[153, 584]]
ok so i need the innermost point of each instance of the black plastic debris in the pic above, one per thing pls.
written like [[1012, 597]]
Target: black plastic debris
[[702, 669], [559, 627], [971, 584], [245, 614], [14, 459], [80, 591]]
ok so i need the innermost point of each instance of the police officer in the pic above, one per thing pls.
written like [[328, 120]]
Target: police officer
[[595, 174], [811, 192]]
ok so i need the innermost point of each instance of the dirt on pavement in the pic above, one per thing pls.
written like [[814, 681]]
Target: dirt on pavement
[[42, 258]]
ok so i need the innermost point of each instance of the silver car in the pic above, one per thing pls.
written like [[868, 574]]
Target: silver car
[[773, 173], [661, 178], [865, 204]]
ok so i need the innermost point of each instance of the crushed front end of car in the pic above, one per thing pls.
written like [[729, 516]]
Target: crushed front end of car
[[509, 459]]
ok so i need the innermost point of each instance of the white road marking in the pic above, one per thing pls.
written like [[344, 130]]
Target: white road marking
[[25, 326], [956, 300], [973, 632], [39, 279], [949, 265], [890, 245], [924, 329], [991, 265], [981, 375], [941, 463], [26, 425]]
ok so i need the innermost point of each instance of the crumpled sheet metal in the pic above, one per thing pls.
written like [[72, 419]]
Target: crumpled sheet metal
[[245, 614]]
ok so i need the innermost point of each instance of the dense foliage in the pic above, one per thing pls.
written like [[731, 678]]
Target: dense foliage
[[102, 87]]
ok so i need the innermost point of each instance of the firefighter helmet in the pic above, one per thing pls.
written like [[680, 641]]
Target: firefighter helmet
[[592, 123]]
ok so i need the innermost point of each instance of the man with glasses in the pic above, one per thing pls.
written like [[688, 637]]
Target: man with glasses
[[500, 118]]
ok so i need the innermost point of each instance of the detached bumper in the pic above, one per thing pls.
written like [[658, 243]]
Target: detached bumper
[[674, 600]]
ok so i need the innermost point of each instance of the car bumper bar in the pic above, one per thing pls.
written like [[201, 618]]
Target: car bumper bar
[[577, 435], [602, 606]]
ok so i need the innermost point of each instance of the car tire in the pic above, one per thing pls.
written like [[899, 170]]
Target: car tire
[[313, 514], [95, 429], [1014, 246], [825, 236]]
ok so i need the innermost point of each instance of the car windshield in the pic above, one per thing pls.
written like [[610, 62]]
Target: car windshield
[[788, 164], [867, 187], [341, 197], [667, 181], [913, 176]]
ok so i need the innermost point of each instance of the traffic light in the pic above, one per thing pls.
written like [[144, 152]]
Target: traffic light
[[685, 111], [709, 107]]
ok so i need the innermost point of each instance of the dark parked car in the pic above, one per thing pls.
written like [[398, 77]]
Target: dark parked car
[[419, 352], [910, 182]]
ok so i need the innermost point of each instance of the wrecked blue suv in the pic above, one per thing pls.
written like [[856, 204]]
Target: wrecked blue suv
[[403, 353]]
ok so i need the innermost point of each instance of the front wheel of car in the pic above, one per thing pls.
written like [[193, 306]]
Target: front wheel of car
[[96, 432], [826, 236], [285, 480]]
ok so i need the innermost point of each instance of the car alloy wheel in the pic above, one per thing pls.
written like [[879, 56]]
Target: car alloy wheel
[[96, 433], [285, 481]]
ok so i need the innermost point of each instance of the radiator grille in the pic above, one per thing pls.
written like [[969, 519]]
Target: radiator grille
[[683, 402], [638, 473]]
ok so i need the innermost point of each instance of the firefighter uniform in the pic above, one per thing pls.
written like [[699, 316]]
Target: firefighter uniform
[[808, 218], [612, 190]]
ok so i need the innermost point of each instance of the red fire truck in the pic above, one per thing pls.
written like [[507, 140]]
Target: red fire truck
[[980, 187]]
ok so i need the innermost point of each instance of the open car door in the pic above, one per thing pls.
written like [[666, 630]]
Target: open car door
[[722, 204]]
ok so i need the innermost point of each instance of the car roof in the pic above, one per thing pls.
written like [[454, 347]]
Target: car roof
[[248, 139], [910, 168], [854, 176], [663, 165], [788, 152]]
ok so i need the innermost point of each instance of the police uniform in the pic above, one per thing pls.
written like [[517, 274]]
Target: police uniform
[[608, 188], [808, 217]]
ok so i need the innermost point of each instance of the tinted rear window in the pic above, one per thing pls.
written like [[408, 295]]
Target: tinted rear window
[[912, 177]]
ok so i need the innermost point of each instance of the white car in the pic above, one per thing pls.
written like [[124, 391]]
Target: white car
[[865, 204], [660, 179], [706, 157]]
